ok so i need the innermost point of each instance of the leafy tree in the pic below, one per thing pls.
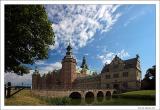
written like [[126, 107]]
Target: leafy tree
[[28, 34], [150, 78], [151, 73]]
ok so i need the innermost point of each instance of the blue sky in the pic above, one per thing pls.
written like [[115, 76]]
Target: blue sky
[[100, 32]]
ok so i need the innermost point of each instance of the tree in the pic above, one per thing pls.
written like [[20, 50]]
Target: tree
[[151, 73], [150, 78], [28, 34]]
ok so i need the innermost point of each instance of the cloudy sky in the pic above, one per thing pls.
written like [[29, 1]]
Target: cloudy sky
[[99, 32]]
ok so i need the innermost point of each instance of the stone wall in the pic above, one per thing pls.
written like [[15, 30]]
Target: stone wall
[[67, 93], [122, 75], [88, 82], [51, 93]]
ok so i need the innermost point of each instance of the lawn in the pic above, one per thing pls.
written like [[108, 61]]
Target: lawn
[[24, 97], [126, 102], [142, 94]]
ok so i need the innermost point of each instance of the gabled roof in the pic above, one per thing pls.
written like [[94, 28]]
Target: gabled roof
[[105, 68], [130, 63], [116, 59]]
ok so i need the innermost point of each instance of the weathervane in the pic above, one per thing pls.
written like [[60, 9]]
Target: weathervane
[[36, 69], [69, 41]]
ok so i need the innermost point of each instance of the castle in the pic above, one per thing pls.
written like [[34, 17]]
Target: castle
[[119, 74]]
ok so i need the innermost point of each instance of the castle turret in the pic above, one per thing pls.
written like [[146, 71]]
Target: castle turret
[[84, 64], [68, 71], [84, 67], [35, 79]]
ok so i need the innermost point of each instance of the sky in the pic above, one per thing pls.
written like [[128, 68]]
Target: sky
[[98, 32]]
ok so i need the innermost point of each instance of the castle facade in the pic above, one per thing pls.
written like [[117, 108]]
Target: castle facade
[[119, 74]]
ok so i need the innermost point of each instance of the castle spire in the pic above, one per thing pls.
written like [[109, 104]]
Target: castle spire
[[36, 70], [68, 71], [84, 63], [69, 51], [137, 56]]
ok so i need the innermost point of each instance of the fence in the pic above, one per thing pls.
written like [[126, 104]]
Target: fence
[[9, 88]]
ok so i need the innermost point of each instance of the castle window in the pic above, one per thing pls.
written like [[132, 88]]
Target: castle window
[[107, 76], [125, 74], [115, 75]]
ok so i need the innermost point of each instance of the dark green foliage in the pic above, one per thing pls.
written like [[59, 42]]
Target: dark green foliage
[[56, 101], [149, 81], [84, 64], [28, 34]]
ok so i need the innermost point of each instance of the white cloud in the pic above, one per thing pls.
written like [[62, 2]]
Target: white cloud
[[15, 79], [107, 57], [55, 46], [86, 54], [134, 17], [129, 20], [26, 79], [122, 54], [39, 62], [115, 8], [79, 23], [50, 67]]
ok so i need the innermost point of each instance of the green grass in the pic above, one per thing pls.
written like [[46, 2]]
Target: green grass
[[143, 94], [56, 101], [24, 97], [126, 102]]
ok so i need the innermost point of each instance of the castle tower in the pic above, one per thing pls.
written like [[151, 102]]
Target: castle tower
[[68, 72], [84, 67], [138, 72], [35, 79], [84, 64]]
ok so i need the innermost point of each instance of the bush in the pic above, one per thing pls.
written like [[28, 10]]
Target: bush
[[56, 101]]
